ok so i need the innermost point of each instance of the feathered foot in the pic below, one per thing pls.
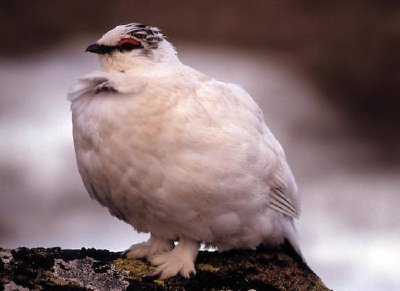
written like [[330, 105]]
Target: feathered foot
[[179, 260], [149, 248]]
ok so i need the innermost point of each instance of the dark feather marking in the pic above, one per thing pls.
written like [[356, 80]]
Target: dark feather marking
[[104, 88], [281, 203]]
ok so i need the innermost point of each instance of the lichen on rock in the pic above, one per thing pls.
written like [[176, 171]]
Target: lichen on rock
[[90, 269]]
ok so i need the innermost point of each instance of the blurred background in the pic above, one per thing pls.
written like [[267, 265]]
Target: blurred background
[[325, 73]]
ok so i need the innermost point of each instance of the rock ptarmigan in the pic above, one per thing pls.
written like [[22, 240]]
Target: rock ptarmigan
[[178, 154]]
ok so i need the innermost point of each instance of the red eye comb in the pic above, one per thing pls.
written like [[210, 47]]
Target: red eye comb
[[129, 40]]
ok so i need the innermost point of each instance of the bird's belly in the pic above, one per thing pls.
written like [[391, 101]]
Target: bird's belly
[[186, 196], [172, 184], [120, 177]]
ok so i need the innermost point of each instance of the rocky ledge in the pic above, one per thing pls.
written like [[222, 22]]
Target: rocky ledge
[[92, 269]]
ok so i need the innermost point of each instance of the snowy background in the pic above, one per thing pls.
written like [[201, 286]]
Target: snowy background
[[349, 182]]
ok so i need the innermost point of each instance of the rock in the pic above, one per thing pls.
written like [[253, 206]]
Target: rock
[[91, 269]]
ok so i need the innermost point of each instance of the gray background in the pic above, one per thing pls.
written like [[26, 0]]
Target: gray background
[[324, 74]]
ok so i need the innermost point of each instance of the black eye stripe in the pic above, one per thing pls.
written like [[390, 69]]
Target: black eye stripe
[[128, 47], [107, 49]]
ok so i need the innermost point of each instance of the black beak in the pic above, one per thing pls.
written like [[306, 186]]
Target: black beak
[[100, 49], [94, 48]]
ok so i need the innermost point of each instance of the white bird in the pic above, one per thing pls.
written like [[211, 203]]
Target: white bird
[[178, 154]]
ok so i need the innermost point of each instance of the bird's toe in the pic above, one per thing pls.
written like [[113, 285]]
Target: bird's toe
[[148, 249]]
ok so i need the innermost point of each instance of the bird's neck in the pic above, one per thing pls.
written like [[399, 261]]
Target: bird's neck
[[122, 64]]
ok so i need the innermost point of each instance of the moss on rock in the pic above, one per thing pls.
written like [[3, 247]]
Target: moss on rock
[[90, 269]]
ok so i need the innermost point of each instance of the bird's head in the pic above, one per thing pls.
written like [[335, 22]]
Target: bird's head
[[129, 46]]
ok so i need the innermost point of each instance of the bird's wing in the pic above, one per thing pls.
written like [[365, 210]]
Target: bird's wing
[[281, 203], [98, 82], [283, 194], [86, 84]]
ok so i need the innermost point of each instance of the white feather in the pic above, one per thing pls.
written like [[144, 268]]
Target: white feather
[[181, 155]]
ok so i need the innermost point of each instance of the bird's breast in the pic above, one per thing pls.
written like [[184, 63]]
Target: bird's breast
[[123, 133]]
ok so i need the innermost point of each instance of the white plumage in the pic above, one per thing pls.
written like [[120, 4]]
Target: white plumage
[[178, 154]]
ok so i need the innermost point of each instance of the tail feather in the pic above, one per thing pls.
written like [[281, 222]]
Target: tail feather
[[291, 239]]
